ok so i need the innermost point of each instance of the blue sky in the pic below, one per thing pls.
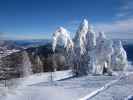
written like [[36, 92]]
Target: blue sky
[[35, 19]]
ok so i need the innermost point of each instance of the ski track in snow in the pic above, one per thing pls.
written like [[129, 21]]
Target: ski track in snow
[[95, 87], [120, 90]]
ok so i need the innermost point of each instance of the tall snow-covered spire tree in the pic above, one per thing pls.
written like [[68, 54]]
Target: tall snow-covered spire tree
[[80, 67], [80, 37]]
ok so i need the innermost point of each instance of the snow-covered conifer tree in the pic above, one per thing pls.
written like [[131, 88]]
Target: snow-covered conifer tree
[[119, 57]]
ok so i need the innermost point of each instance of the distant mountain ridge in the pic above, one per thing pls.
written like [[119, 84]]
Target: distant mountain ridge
[[17, 44]]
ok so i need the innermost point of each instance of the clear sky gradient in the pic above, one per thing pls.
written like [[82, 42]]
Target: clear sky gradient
[[38, 19]]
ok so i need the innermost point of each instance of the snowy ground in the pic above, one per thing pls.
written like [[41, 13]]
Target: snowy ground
[[119, 91], [71, 89], [36, 88], [37, 78]]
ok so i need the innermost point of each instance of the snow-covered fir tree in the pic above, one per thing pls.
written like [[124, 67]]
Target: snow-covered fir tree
[[91, 54]]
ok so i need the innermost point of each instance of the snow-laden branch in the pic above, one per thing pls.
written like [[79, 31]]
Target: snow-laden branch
[[62, 37]]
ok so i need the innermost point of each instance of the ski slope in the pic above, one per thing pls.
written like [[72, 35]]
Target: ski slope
[[40, 87], [70, 89]]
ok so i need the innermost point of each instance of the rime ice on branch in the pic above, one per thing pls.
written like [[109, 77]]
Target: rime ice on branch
[[62, 36]]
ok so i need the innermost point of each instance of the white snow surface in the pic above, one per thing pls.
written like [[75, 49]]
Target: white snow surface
[[19, 84], [44, 77], [69, 89], [121, 90]]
